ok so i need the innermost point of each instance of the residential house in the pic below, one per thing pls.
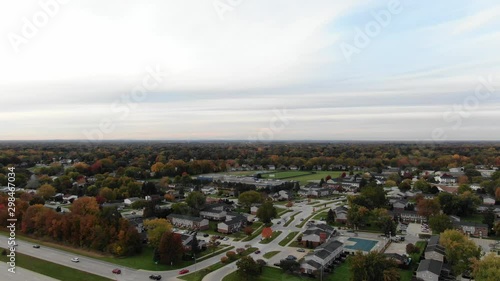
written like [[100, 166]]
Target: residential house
[[317, 234], [189, 222], [187, 241], [429, 270], [341, 214], [400, 204], [472, 228], [282, 195], [435, 252], [411, 216], [131, 200], [214, 212], [447, 179], [233, 223], [323, 256], [207, 190], [401, 260], [488, 199], [254, 209]]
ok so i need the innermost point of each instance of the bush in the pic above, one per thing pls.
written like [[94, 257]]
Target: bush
[[240, 251], [412, 249], [231, 255], [224, 259]]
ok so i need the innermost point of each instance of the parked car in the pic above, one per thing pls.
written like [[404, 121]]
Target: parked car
[[225, 239], [279, 222], [301, 250], [257, 252], [277, 264], [155, 277], [184, 271], [117, 271], [291, 258], [75, 260], [205, 235], [36, 246]]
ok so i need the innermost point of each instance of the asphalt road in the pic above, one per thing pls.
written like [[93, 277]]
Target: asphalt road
[[128, 274]]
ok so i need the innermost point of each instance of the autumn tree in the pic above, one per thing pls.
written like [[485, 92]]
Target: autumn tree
[[428, 207], [85, 206], [247, 198], [46, 191], [266, 212], [357, 215], [156, 228], [170, 248], [373, 266], [459, 249], [248, 230], [384, 221], [487, 268], [107, 193]]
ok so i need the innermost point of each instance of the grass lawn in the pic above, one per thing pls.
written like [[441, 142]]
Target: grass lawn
[[340, 273], [309, 217], [268, 274], [288, 238], [320, 216], [285, 174], [317, 176], [53, 270], [473, 218], [268, 240], [257, 226], [292, 217], [200, 274], [323, 204], [271, 254]]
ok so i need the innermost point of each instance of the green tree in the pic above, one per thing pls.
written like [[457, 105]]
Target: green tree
[[330, 218], [357, 215], [248, 269], [247, 198], [489, 218], [459, 249], [384, 221], [439, 223], [196, 200], [180, 208], [422, 185], [373, 266], [428, 207], [487, 268], [266, 212]]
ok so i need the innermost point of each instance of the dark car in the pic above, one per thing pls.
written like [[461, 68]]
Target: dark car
[[155, 277], [117, 271], [291, 258], [36, 246], [205, 235], [257, 252], [277, 264]]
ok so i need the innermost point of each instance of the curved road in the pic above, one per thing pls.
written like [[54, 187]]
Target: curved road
[[102, 268]]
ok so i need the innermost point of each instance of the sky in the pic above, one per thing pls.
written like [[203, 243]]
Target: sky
[[253, 70]]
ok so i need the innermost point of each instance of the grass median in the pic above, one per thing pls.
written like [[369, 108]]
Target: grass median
[[288, 238], [273, 236], [291, 219]]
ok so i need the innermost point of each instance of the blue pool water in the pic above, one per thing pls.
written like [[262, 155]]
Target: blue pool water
[[361, 244]]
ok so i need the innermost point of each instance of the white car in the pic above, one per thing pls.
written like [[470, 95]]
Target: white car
[[75, 260]]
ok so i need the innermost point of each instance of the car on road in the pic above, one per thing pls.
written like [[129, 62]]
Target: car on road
[[184, 271], [301, 250], [257, 252], [155, 277], [301, 219], [75, 260], [291, 258], [117, 271], [225, 239], [36, 246], [205, 235], [279, 222]]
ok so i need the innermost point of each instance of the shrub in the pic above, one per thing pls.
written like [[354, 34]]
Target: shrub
[[412, 249], [240, 251], [224, 259], [231, 255]]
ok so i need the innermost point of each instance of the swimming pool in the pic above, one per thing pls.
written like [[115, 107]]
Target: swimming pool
[[361, 244]]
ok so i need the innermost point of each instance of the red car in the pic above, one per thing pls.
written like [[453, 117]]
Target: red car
[[117, 271], [184, 271]]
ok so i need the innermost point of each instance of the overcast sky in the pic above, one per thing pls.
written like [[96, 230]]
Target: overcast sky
[[250, 70]]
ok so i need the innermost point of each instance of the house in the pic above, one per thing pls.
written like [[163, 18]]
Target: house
[[233, 223], [341, 214], [488, 199], [400, 204], [215, 212], [323, 256], [429, 270], [69, 199], [254, 209], [131, 200], [317, 234], [187, 241], [473, 228], [435, 252], [207, 190], [411, 216], [401, 260], [189, 222], [282, 195], [447, 179], [315, 192], [271, 167]]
